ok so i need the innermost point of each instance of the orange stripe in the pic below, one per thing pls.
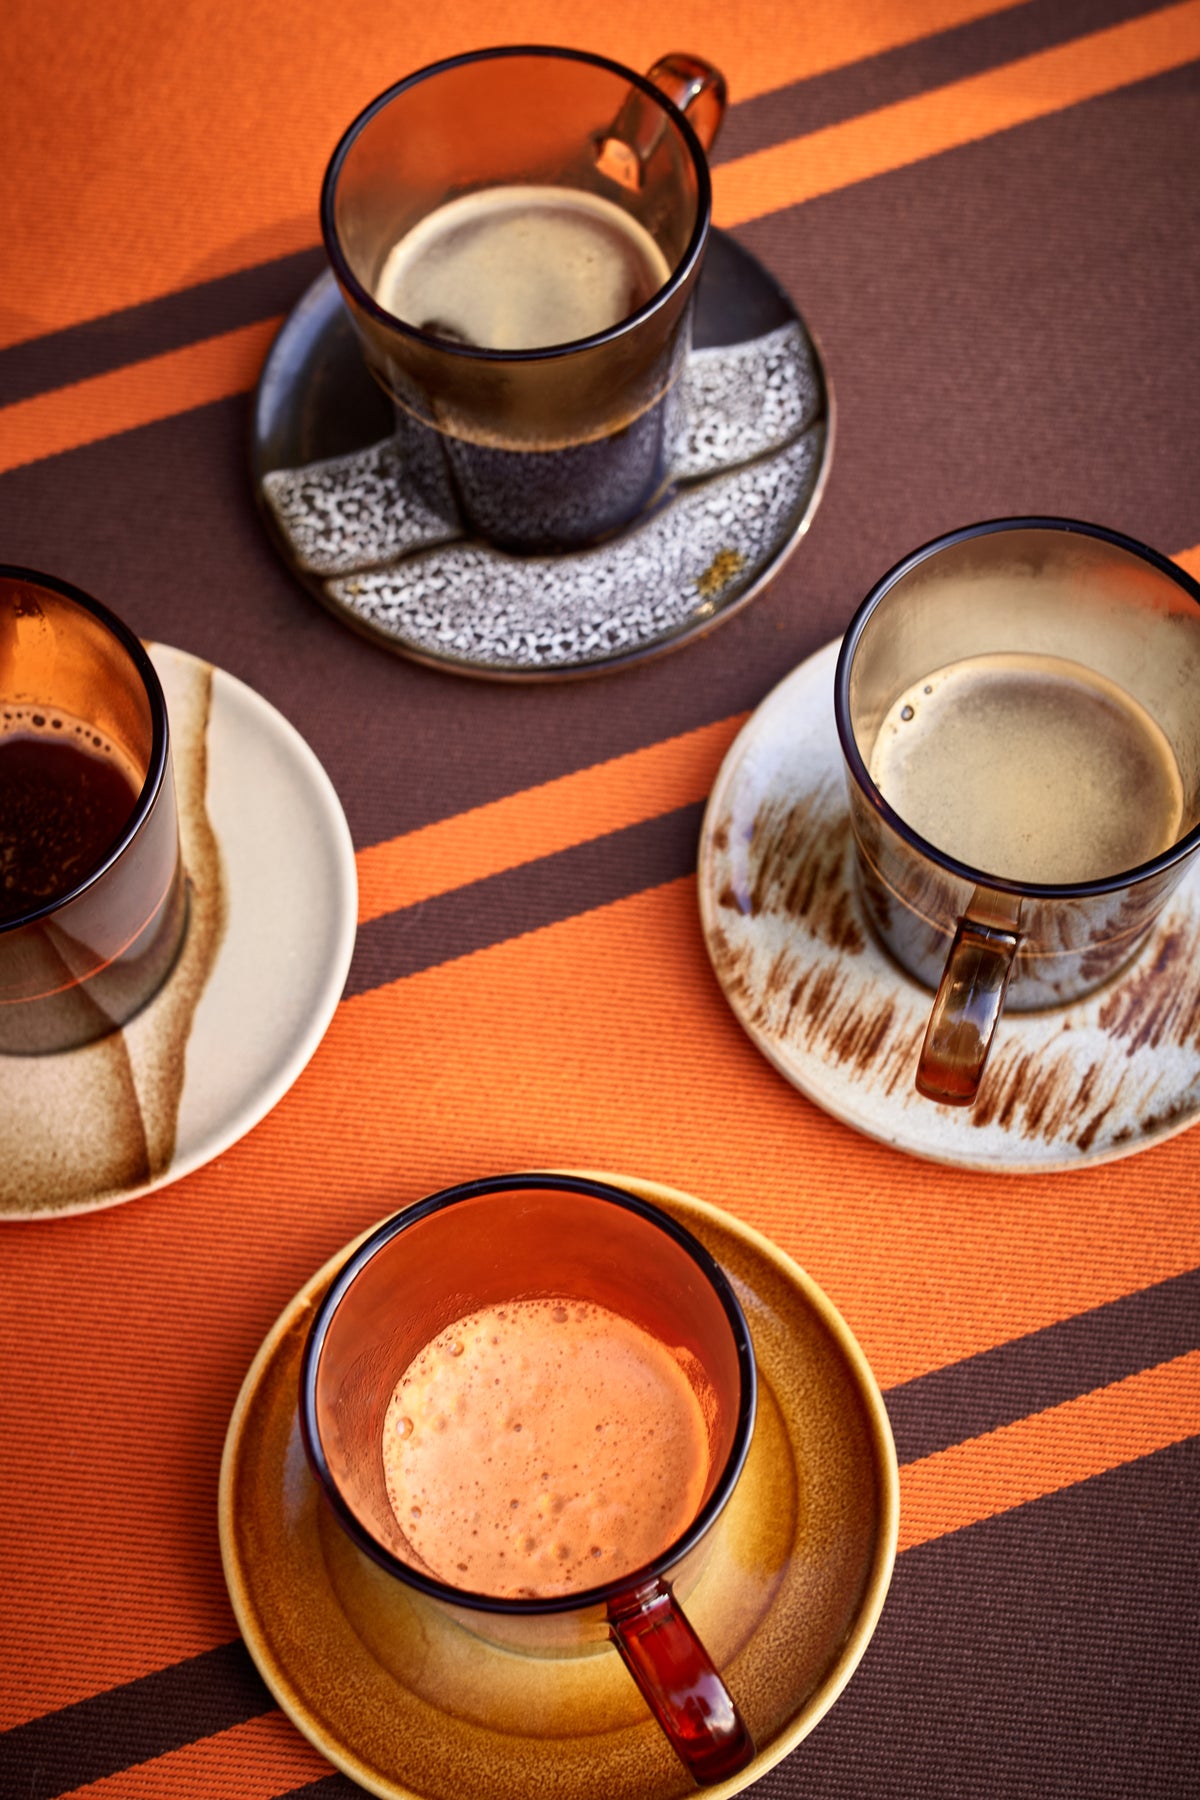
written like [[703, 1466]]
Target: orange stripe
[[104, 205], [541, 820], [136, 395], [1189, 560], [1052, 1450], [960, 113], [254, 1761], [746, 188]]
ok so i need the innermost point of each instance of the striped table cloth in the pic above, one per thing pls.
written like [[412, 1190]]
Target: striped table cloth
[[987, 215]]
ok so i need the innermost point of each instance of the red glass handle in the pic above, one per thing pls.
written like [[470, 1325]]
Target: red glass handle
[[695, 87], [966, 1011], [679, 1684]]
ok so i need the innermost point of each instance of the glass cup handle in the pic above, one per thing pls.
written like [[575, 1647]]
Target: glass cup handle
[[696, 88], [966, 1011], [679, 1684]]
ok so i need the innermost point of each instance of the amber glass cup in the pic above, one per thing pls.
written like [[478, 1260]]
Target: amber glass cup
[[525, 1237], [1054, 594], [83, 961], [557, 446]]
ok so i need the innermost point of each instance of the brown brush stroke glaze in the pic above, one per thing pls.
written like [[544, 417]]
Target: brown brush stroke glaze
[[791, 947], [94, 1124]]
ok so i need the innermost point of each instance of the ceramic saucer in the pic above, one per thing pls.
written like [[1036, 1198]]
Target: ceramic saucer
[[409, 1704], [749, 449], [273, 904], [798, 964]]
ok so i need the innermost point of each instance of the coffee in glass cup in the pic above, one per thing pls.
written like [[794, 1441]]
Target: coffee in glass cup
[[548, 1465], [93, 894], [1016, 704], [517, 235]]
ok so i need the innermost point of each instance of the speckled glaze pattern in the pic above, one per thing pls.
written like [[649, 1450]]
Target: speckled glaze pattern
[[748, 451], [410, 1704], [1074, 1085], [234, 1023], [469, 602]]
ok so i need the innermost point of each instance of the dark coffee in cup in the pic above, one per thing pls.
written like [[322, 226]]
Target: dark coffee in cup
[[518, 237], [66, 795], [519, 268], [93, 894]]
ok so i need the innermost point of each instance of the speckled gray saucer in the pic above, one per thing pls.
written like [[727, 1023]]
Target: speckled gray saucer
[[747, 463], [1063, 1089]]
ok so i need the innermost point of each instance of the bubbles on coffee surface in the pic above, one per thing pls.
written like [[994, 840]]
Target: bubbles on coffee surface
[[553, 1445]]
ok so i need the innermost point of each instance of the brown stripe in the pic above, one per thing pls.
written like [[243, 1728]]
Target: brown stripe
[[537, 894], [975, 1619], [932, 62], [979, 106], [134, 396], [1050, 1450], [132, 1723], [538, 822], [330, 1787], [157, 326], [1046, 1368], [1045, 1655], [211, 308]]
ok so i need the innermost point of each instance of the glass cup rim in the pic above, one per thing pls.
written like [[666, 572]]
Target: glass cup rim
[[855, 762], [585, 1598], [159, 738], [365, 300]]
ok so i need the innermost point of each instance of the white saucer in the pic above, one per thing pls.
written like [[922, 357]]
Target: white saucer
[[1063, 1089], [270, 934]]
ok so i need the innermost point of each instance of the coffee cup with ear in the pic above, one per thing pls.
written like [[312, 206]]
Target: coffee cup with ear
[[1018, 715], [517, 234], [528, 1400]]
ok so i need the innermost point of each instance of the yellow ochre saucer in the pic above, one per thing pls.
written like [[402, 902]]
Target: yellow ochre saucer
[[413, 1707]]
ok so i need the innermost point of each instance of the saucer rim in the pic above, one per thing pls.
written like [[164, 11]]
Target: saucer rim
[[688, 1207], [707, 617], [241, 1116], [810, 670]]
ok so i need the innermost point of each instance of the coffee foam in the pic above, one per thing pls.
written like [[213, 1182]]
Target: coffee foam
[[543, 1447], [521, 267], [1030, 767]]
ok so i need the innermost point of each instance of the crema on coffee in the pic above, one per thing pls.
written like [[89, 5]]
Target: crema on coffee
[[1030, 767], [521, 268], [543, 1447]]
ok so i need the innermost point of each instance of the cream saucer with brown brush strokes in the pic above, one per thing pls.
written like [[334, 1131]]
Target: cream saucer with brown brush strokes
[[1075, 1085], [409, 1704], [273, 899]]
